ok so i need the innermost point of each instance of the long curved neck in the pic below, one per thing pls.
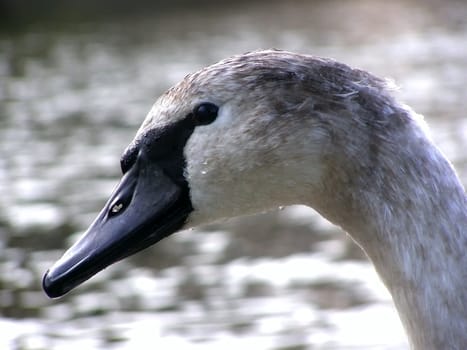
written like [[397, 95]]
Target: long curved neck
[[419, 249], [409, 213]]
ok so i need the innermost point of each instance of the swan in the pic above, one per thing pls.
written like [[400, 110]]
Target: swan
[[273, 128]]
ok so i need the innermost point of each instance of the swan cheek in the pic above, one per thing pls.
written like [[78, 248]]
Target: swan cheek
[[207, 173]]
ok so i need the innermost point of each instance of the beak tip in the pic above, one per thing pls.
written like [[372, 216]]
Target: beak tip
[[52, 289]]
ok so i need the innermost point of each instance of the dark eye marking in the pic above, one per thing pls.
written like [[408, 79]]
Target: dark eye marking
[[205, 113], [129, 157], [165, 145]]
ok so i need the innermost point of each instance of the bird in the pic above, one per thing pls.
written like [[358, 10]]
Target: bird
[[272, 128]]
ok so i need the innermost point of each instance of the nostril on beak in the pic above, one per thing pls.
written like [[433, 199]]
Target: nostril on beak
[[116, 208]]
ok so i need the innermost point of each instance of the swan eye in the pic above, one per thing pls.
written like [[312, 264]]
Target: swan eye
[[205, 113]]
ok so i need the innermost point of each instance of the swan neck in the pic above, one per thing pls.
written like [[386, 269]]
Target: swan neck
[[412, 224], [405, 206], [421, 258]]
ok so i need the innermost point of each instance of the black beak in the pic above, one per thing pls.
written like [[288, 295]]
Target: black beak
[[145, 207]]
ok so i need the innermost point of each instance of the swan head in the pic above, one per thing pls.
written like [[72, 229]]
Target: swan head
[[250, 133]]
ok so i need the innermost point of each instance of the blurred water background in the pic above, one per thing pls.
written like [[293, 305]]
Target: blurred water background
[[76, 80]]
